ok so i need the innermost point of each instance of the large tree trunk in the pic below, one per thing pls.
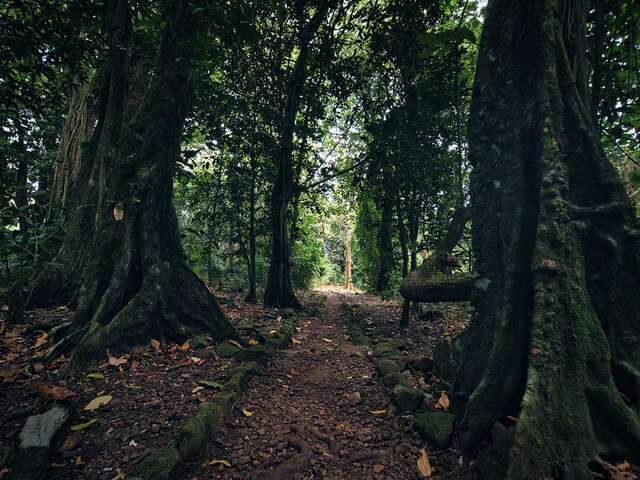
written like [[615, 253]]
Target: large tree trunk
[[279, 290], [555, 337], [135, 283]]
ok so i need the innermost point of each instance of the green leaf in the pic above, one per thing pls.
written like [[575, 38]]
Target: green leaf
[[96, 376], [82, 426]]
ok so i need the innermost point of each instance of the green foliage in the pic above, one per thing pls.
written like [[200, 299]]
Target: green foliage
[[308, 258]]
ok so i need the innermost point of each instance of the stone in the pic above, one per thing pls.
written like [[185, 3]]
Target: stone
[[36, 436], [38, 430], [407, 399], [384, 366], [435, 427], [227, 349], [199, 341], [382, 348], [395, 378]]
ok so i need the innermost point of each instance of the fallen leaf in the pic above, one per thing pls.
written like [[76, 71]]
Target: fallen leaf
[[185, 346], [272, 332], [237, 344], [116, 361], [52, 392], [10, 374], [624, 466], [253, 341], [424, 465], [327, 340], [209, 383], [380, 411], [295, 340], [72, 441], [95, 376], [246, 412], [443, 401], [135, 364], [219, 461], [98, 402], [196, 361], [41, 340], [378, 467], [155, 344], [82, 426], [197, 389], [118, 212]]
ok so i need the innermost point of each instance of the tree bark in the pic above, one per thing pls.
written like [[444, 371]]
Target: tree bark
[[347, 253], [555, 336], [135, 283], [252, 295], [279, 290]]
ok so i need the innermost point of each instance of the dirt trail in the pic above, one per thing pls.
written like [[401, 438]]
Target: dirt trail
[[309, 415]]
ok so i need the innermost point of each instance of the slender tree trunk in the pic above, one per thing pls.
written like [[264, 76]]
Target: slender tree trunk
[[555, 336], [402, 233], [252, 296], [135, 283], [279, 290], [347, 253]]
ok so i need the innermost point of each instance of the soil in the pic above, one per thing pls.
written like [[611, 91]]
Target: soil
[[317, 411]]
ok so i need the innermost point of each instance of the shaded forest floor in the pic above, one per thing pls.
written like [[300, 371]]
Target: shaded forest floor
[[319, 409]]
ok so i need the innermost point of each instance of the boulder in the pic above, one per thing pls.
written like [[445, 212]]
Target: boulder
[[36, 436], [407, 399], [381, 348], [435, 427], [384, 366], [396, 378]]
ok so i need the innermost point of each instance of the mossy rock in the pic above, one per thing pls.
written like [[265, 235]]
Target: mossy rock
[[396, 378], [383, 348], [407, 399], [161, 464], [199, 341], [359, 339], [397, 357], [239, 376], [384, 366], [227, 349], [423, 364], [435, 427], [257, 353], [196, 432]]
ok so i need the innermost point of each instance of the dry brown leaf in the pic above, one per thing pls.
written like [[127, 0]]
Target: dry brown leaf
[[219, 461], [185, 346], [52, 392], [196, 361], [10, 374], [72, 441], [253, 341], [155, 344], [41, 340], [246, 412], [98, 402], [116, 361], [424, 465], [294, 340], [380, 411], [443, 401], [354, 398], [378, 467], [197, 389]]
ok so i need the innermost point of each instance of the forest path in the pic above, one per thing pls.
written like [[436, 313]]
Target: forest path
[[308, 416]]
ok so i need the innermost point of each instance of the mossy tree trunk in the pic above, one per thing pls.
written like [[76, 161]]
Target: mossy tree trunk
[[555, 337], [135, 283]]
